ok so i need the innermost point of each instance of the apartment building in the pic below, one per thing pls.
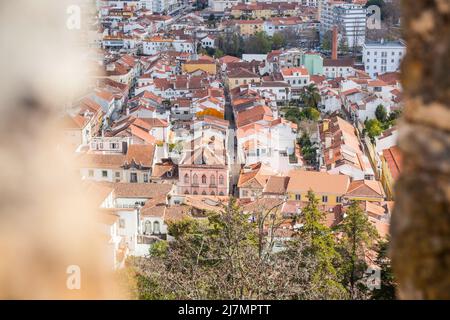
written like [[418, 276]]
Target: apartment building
[[382, 57]]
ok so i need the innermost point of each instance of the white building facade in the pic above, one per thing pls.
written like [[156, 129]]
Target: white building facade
[[382, 57]]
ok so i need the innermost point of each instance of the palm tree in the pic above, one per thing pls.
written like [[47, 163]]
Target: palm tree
[[311, 96]]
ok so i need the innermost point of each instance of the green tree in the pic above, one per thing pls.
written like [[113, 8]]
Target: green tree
[[373, 128], [311, 96], [388, 285], [326, 41], [394, 115], [381, 113], [259, 43], [225, 257], [218, 53], [358, 236], [293, 114], [309, 152], [278, 41], [311, 114], [343, 46], [320, 244]]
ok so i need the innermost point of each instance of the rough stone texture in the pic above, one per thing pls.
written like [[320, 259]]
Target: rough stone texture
[[421, 221]]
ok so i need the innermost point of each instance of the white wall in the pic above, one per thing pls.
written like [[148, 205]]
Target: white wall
[[383, 57]]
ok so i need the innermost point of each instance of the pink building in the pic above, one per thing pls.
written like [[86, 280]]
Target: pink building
[[203, 170], [203, 180]]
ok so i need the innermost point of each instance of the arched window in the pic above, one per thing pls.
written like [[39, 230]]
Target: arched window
[[195, 193], [221, 193], [203, 179], [156, 228], [221, 182], [186, 192], [213, 193], [212, 179], [186, 178], [204, 193], [148, 227], [195, 179]]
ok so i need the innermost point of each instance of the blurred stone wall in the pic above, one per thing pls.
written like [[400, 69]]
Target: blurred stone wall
[[47, 223], [421, 220]]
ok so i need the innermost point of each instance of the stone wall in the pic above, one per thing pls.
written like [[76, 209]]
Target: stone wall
[[421, 221]]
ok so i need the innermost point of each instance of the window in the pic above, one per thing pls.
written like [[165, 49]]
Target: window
[[156, 228], [204, 193], [91, 173], [324, 198], [195, 179], [195, 193], [104, 174], [221, 193], [117, 174], [212, 180], [186, 178], [148, 227], [245, 193], [114, 145], [213, 193], [221, 180], [145, 177], [133, 177], [122, 223], [338, 199], [298, 197], [186, 192], [203, 179]]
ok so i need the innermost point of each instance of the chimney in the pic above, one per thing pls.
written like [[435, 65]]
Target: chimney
[[334, 44]]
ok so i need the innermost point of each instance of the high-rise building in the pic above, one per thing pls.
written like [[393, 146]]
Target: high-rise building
[[350, 18]]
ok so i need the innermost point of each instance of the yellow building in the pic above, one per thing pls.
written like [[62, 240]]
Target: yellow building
[[238, 77], [329, 189], [262, 13], [249, 27], [204, 65]]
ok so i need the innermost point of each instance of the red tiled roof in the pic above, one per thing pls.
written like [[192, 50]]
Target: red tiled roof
[[394, 161]]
